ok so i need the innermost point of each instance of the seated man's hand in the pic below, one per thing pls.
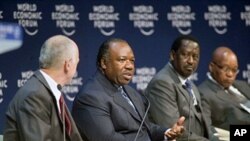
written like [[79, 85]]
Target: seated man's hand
[[176, 130]]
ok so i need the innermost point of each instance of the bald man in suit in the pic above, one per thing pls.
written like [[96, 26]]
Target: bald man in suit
[[224, 97]]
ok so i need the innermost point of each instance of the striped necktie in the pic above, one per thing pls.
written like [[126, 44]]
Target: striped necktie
[[65, 115], [188, 85], [124, 95]]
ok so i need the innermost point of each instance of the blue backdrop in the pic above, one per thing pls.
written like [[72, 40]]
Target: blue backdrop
[[149, 26]]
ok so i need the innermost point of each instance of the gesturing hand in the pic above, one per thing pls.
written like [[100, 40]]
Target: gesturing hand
[[176, 130]]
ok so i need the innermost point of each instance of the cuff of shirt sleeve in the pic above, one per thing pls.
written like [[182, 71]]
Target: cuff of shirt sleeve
[[165, 137]]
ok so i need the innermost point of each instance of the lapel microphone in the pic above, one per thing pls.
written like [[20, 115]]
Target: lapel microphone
[[59, 87], [143, 119]]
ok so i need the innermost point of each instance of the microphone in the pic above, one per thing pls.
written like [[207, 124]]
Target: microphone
[[143, 119], [59, 87]]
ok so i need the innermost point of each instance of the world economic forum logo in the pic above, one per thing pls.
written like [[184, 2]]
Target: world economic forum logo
[[181, 17], [217, 17], [65, 17], [143, 17], [104, 18], [28, 16]]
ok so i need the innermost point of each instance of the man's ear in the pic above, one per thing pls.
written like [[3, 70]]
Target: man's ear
[[67, 65], [103, 64], [172, 55], [210, 67]]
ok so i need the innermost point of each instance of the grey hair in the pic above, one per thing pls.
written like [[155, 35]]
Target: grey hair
[[54, 51]]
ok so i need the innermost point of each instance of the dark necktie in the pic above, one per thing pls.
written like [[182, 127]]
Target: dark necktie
[[125, 96], [188, 85], [189, 88], [65, 115], [120, 89]]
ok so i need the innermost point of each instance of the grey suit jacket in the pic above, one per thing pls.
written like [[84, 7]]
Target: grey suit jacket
[[170, 100], [221, 107], [33, 115], [102, 114]]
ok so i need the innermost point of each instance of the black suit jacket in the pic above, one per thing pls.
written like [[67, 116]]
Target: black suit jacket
[[33, 115], [221, 107], [102, 114]]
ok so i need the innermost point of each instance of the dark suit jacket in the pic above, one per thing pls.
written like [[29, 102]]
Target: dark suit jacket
[[221, 107], [33, 115], [102, 114], [170, 100]]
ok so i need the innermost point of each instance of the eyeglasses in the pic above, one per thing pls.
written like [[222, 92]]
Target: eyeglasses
[[227, 69]]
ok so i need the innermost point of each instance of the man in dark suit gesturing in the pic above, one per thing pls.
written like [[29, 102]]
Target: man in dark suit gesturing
[[107, 109], [35, 113], [225, 99]]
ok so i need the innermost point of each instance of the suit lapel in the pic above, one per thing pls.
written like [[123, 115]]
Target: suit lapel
[[220, 93], [196, 93], [243, 87], [189, 99], [139, 108], [175, 78], [135, 101], [119, 100], [75, 134], [226, 97], [183, 91], [40, 77], [179, 85]]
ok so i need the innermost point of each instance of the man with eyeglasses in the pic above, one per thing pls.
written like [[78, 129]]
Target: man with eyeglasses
[[225, 100]]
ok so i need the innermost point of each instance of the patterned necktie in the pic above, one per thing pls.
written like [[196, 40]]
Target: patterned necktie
[[189, 89], [120, 89], [65, 115]]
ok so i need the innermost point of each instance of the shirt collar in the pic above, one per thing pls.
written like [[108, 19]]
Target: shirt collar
[[231, 87], [213, 80], [53, 86]]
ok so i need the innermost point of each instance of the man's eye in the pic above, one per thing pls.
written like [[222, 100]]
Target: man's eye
[[196, 57], [122, 60], [185, 55]]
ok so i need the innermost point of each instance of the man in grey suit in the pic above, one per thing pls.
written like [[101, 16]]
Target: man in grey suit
[[107, 109], [225, 99], [172, 94], [34, 113]]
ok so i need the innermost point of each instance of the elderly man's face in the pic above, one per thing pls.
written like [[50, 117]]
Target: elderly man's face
[[225, 70]]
